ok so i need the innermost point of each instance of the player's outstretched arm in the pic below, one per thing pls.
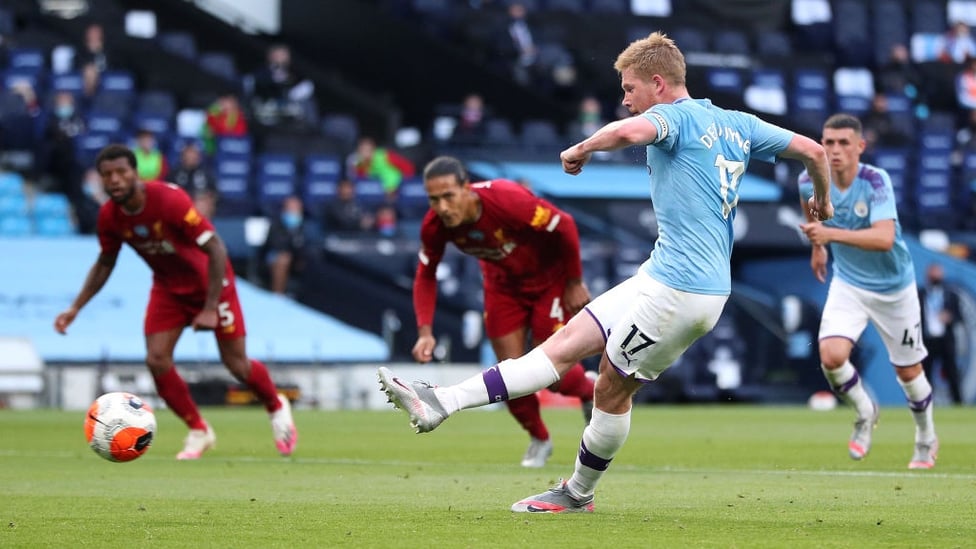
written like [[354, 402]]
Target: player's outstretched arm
[[97, 276], [814, 159], [618, 134]]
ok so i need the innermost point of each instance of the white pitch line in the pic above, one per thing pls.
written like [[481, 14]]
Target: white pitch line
[[401, 463]]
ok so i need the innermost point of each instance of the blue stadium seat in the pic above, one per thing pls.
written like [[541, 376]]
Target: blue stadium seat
[[25, 58], [370, 193], [890, 26], [232, 165], [12, 76], [610, 6], [412, 198], [116, 103], [498, 131], [277, 165], [104, 122], [220, 63], [730, 41], [853, 104], [69, 82], [18, 226], [88, 144], [853, 41], [344, 128], [323, 166], [724, 79], [156, 123], [53, 226], [158, 102], [13, 205], [769, 77], [928, 17], [178, 43], [273, 189], [51, 204], [233, 145], [540, 134], [234, 196], [770, 43], [690, 39], [318, 190], [118, 81], [568, 6], [11, 184]]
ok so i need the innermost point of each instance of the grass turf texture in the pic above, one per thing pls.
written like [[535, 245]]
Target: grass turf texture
[[723, 476]]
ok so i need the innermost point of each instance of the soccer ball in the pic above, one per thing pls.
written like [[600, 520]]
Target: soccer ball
[[822, 401], [120, 426]]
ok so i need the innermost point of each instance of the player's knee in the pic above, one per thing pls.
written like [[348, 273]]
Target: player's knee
[[833, 356], [158, 363]]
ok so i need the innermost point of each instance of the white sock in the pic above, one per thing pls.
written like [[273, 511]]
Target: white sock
[[512, 378], [919, 394], [602, 439], [847, 384]]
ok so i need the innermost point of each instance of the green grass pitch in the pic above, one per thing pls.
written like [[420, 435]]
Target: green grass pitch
[[718, 476]]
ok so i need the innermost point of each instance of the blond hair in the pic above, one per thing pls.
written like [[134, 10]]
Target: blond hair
[[656, 54]]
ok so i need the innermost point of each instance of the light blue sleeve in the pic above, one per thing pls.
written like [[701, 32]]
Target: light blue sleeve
[[883, 200], [665, 119], [768, 140]]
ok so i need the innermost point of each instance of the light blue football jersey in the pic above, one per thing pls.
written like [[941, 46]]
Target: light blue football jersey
[[696, 164], [870, 198]]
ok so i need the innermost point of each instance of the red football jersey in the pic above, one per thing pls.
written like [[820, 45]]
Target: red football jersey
[[167, 233], [523, 243]]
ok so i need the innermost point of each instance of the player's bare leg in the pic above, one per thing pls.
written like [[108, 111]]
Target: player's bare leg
[[176, 394], [526, 410], [253, 373]]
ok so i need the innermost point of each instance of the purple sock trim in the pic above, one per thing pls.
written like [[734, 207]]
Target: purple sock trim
[[592, 461], [920, 405], [497, 392], [844, 387]]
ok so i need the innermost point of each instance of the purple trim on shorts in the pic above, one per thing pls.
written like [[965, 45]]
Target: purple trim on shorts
[[920, 405], [627, 374], [849, 384], [592, 461], [497, 391], [604, 331]]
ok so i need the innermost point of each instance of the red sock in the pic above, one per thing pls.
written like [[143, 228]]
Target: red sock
[[575, 383], [173, 390], [527, 413], [260, 382]]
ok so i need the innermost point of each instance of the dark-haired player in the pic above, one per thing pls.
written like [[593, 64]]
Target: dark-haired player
[[193, 285], [530, 261]]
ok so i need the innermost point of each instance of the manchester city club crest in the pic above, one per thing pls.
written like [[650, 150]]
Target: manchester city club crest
[[861, 208], [141, 230]]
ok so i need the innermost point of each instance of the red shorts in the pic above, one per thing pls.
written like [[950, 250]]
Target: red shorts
[[542, 312], [167, 311]]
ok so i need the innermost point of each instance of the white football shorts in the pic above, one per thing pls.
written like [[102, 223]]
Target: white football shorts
[[897, 317], [647, 325]]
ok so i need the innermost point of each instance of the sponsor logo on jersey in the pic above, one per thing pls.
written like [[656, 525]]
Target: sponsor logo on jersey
[[476, 235], [141, 230]]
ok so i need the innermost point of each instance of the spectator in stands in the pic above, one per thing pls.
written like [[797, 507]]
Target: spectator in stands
[[940, 315], [517, 46], [198, 181], [225, 118], [387, 221], [965, 138], [966, 84], [285, 246], [282, 95], [470, 126], [151, 163], [92, 53], [58, 149], [899, 75], [344, 214], [371, 162], [588, 120], [94, 196], [959, 44], [89, 84], [879, 129], [25, 90]]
